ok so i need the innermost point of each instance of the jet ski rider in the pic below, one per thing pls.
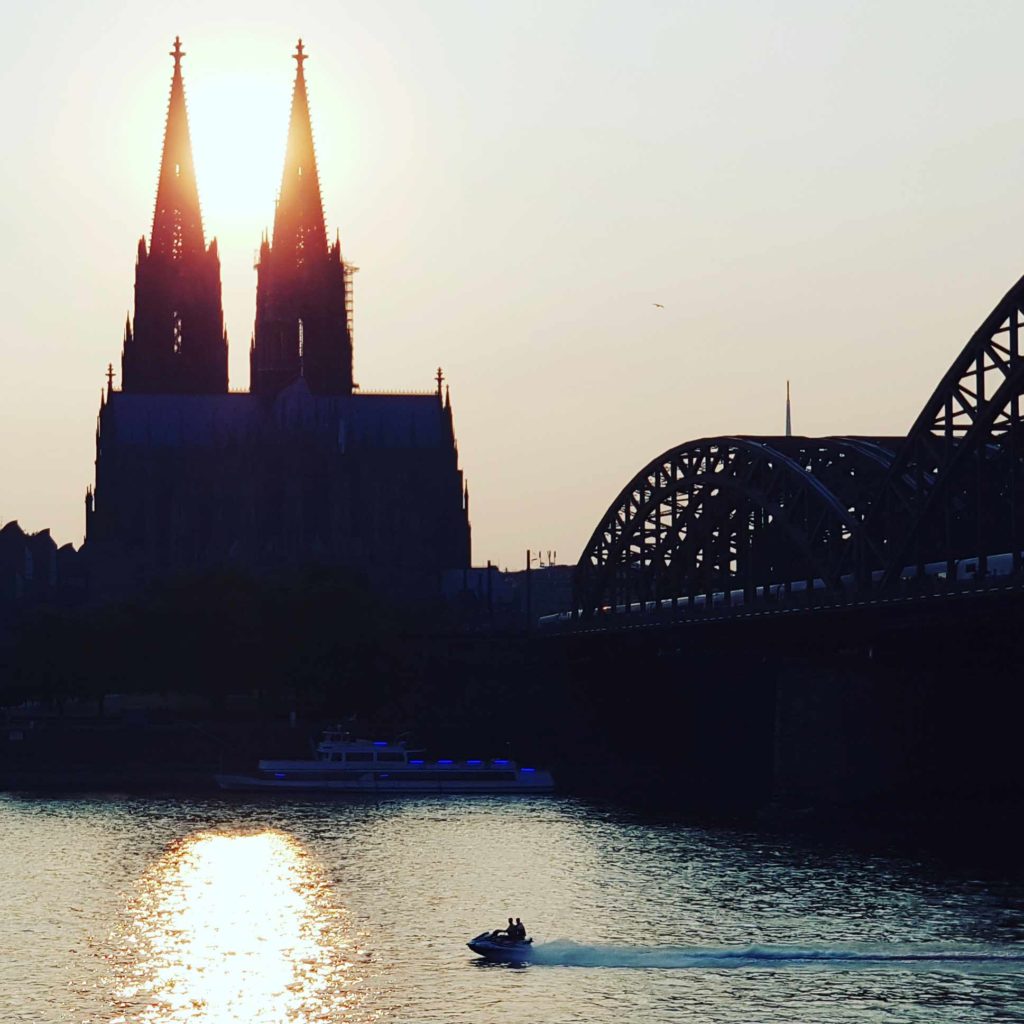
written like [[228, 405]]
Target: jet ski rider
[[513, 933]]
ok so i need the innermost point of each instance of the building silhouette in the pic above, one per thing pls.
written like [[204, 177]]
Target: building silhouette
[[303, 469], [34, 571]]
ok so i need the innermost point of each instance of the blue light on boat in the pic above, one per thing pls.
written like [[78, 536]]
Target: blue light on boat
[[445, 761], [280, 775], [380, 743], [501, 760], [474, 762], [527, 769], [415, 760]]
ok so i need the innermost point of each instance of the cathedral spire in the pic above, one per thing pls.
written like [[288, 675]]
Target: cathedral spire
[[299, 231], [303, 288], [176, 343], [177, 220]]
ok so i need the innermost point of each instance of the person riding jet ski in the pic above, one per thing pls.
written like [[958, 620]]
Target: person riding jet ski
[[509, 934], [513, 933], [504, 944]]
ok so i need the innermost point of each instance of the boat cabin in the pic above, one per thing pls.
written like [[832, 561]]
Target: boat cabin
[[337, 746]]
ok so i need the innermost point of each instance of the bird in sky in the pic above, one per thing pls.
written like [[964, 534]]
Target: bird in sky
[[659, 305]]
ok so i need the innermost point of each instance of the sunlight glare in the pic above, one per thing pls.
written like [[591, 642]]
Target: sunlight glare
[[239, 125], [236, 928]]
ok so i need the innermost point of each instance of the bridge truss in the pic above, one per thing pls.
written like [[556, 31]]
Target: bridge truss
[[748, 518]]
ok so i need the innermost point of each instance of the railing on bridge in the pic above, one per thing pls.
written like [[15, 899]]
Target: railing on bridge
[[776, 599]]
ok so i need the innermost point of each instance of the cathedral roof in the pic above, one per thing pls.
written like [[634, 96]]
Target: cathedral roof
[[207, 421]]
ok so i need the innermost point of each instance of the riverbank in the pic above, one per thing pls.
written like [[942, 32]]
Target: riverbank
[[50, 756], [134, 753]]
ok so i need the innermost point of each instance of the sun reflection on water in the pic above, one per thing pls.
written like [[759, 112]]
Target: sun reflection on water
[[236, 927]]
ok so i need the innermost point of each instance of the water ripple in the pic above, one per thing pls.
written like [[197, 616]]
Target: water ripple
[[256, 912]]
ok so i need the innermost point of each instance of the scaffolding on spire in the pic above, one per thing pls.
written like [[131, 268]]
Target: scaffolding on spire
[[303, 284]]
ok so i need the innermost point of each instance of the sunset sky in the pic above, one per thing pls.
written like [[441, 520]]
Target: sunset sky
[[826, 192]]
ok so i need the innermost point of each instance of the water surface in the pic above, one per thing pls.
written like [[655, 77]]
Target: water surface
[[230, 911]]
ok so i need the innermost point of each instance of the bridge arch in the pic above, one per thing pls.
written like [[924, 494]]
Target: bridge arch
[[735, 513], [956, 488]]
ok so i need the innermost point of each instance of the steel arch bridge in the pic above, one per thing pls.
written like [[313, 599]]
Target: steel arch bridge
[[738, 520]]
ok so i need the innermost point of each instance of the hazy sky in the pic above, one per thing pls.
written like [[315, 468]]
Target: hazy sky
[[824, 191]]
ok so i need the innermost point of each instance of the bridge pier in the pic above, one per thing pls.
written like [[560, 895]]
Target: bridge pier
[[847, 731], [687, 726], [889, 709]]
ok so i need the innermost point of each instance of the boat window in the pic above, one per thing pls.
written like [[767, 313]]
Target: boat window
[[305, 776], [359, 755], [458, 776], [390, 755]]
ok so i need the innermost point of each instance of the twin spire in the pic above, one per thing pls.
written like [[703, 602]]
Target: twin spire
[[177, 342], [299, 219], [303, 297], [177, 220]]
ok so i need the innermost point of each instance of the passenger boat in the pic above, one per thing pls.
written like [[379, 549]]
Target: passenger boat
[[346, 765]]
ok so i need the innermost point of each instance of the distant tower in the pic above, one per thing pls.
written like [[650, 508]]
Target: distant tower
[[178, 343], [302, 312], [789, 414]]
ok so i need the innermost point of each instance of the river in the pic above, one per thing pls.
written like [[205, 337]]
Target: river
[[126, 910]]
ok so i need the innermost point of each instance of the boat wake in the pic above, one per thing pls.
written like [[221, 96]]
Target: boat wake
[[566, 953]]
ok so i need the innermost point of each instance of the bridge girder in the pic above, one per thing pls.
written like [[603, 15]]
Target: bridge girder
[[956, 488], [718, 514], [735, 513]]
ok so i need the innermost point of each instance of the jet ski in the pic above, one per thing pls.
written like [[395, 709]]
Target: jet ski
[[500, 948]]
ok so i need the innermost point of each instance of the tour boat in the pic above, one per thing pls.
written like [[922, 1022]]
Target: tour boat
[[346, 765]]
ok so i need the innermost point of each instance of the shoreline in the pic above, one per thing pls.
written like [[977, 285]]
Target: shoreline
[[969, 832]]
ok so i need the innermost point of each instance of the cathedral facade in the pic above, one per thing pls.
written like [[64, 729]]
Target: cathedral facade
[[303, 469]]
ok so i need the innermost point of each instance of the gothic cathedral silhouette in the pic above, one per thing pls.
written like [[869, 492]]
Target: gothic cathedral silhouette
[[304, 469]]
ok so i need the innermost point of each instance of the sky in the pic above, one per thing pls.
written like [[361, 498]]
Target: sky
[[822, 192]]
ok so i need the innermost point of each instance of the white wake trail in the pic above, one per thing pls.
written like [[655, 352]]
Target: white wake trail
[[566, 953]]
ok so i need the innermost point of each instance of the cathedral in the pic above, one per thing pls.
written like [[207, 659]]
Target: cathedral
[[302, 469]]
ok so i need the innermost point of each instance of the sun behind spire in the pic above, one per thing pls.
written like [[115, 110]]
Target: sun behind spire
[[299, 220], [176, 342], [303, 287], [177, 220]]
